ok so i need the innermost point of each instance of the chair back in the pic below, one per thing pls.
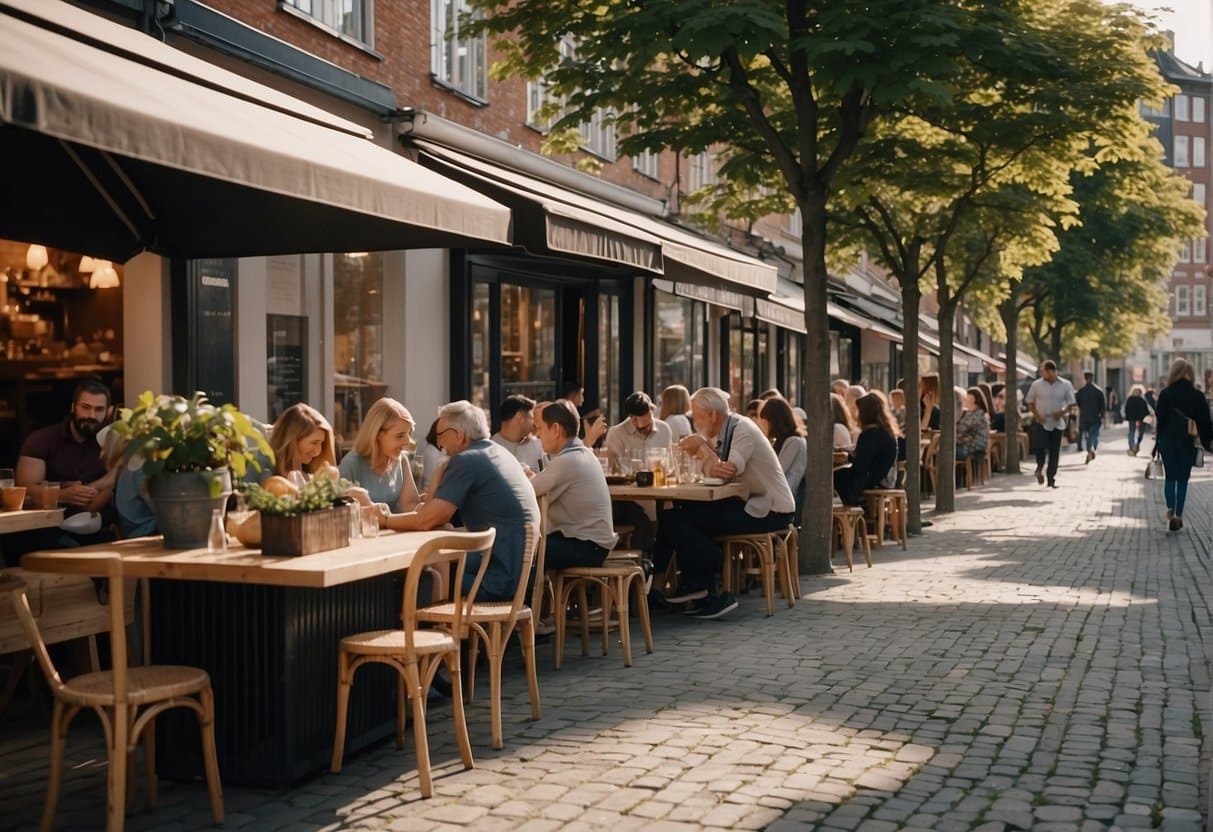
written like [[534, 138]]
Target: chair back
[[448, 548], [14, 588], [541, 550]]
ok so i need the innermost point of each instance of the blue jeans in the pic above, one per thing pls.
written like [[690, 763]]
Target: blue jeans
[[1089, 436], [1137, 430], [1177, 460]]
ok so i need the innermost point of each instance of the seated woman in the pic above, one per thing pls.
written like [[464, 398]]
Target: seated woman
[[784, 430], [844, 426], [378, 461], [302, 440], [973, 426], [676, 411], [874, 464]]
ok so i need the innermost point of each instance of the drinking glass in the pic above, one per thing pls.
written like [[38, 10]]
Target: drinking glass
[[354, 515], [48, 495], [370, 521], [297, 478], [7, 478]]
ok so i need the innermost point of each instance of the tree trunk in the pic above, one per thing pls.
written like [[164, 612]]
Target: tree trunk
[[1009, 311], [816, 516], [1055, 344], [945, 470], [911, 297]]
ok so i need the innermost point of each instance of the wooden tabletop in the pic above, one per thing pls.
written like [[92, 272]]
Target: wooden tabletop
[[23, 520], [697, 492], [146, 557]]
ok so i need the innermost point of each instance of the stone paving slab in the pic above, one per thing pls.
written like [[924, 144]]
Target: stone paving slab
[[1036, 660]]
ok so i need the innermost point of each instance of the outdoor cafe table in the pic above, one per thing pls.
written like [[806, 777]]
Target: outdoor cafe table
[[696, 492], [25, 519], [267, 631]]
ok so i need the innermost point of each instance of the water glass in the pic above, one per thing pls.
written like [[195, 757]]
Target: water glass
[[7, 478], [354, 516], [370, 521]]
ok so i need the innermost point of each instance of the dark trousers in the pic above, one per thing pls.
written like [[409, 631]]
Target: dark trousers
[[1048, 443], [690, 528], [564, 552], [1177, 461]]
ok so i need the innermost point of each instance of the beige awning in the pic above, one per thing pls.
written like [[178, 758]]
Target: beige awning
[[686, 257], [124, 152]]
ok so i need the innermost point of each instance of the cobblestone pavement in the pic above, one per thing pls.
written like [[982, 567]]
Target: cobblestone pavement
[[1036, 660]]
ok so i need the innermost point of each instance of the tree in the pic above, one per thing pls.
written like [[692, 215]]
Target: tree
[[786, 88]]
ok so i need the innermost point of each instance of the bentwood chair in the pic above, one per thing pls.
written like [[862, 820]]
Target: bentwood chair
[[127, 699], [494, 622], [416, 654]]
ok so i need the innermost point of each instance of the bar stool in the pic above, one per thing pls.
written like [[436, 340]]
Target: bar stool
[[849, 525], [614, 579], [888, 506], [740, 550]]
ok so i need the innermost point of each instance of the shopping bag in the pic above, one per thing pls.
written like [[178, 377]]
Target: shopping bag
[[1193, 430], [1155, 470]]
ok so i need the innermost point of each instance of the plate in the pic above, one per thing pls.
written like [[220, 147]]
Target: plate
[[711, 481]]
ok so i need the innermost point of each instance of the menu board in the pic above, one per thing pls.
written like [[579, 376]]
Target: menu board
[[211, 286], [286, 367]]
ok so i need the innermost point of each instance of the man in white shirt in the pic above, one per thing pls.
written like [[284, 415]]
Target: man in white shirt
[[1050, 399], [627, 442], [517, 416], [580, 532], [730, 447]]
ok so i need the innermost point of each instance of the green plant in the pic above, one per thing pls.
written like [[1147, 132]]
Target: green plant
[[316, 494], [173, 433]]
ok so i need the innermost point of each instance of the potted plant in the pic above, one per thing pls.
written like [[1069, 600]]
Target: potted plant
[[188, 450], [313, 518]]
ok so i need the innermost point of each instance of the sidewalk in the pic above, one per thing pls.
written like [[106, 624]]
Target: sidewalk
[[1035, 660]]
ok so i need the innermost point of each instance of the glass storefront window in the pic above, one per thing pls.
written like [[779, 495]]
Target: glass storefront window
[[528, 341], [793, 348], [608, 356], [749, 348], [481, 366], [840, 356], [678, 342], [357, 339]]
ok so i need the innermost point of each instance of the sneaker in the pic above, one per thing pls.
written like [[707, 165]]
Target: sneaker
[[1040, 476], [696, 607], [658, 603], [1175, 524], [1052, 484], [681, 596], [717, 605], [1090, 456]]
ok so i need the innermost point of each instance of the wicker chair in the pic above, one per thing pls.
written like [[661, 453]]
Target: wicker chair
[[762, 554]]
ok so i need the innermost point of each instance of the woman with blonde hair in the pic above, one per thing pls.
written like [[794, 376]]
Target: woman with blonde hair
[[1180, 405], [302, 440], [676, 411], [378, 461], [844, 426]]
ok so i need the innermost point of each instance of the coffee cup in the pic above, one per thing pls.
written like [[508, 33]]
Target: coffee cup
[[644, 478], [12, 496]]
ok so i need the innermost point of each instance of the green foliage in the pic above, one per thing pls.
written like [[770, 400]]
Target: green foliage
[[173, 433], [316, 494]]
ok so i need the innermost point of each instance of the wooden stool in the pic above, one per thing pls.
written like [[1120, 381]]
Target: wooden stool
[[887, 506], [789, 539], [849, 524], [772, 558], [614, 580]]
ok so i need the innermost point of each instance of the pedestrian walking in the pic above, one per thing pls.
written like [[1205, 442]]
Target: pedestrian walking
[[1091, 408], [1050, 399], [1136, 413], [1182, 425]]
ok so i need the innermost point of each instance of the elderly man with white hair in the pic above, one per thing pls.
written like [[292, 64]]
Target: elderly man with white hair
[[486, 485], [730, 447]]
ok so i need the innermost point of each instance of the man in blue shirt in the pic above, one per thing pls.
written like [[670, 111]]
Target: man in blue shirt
[[487, 486]]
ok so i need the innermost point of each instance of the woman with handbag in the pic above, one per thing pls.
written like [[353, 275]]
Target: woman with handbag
[[1183, 427]]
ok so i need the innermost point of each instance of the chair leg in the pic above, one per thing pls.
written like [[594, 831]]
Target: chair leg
[[412, 683], [862, 533], [55, 776], [402, 700], [526, 635], [149, 764], [608, 605], [619, 593], [583, 601], [494, 649], [784, 568], [848, 541], [560, 611], [116, 781], [473, 654], [766, 565], [343, 701], [210, 760], [461, 726], [642, 607]]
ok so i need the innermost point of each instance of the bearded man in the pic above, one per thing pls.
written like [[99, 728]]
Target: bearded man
[[68, 452]]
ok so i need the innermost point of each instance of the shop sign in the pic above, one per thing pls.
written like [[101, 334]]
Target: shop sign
[[211, 297]]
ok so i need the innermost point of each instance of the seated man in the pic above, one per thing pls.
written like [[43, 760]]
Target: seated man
[[579, 505], [734, 448], [627, 442], [516, 435], [488, 488]]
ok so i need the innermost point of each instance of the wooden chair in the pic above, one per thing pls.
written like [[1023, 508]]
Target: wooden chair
[[964, 467], [759, 554], [614, 580], [887, 507], [127, 700], [789, 539], [414, 654], [494, 622], [850, 526], [930, 461]]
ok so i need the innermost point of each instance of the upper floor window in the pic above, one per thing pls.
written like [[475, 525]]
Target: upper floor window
[[646, 164], [1198, 193], [1200, 250], [1161, 111], [1181, 108], [1182, 309], [1199, 301], [598, 134], [1198, 151], [352, 18], [458, 62], [1198, 109], [543, 109], [1185, 252], [795, 225], [1181, 151], [701, 170]]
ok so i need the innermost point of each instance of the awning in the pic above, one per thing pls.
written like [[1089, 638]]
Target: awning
[[122, 148], [985, 358], [685, 256]]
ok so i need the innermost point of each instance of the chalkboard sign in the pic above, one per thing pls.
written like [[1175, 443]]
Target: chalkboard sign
[[211, 293], [286, 370]]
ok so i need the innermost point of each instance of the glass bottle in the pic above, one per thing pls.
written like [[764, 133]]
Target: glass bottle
[[216, 538]]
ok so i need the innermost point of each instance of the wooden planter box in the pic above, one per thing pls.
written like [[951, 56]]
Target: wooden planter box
[[305, 534]]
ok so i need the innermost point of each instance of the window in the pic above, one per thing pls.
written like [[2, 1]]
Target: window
[[678, 341], [482, 367], [747, 356], [608, 356], [1181, 151], [1198, 301], [352, 18], [1198, 109], [701, 172], [1181, 107], [1199, 251], [795, 225], [539, 96], [357, 340], [1181, 302], [457, 62], [528, 341], [1198, 151], [646, 164], [1162, 111], [598, 135], [1185, 253], [1198, 194]]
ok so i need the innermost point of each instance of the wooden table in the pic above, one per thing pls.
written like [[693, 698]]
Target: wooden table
[[697, 492], [26, 519], [267, 630]]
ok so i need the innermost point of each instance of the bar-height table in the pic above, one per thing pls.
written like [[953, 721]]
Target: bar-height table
[[695, 492], [267, 631], [25, 519]]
